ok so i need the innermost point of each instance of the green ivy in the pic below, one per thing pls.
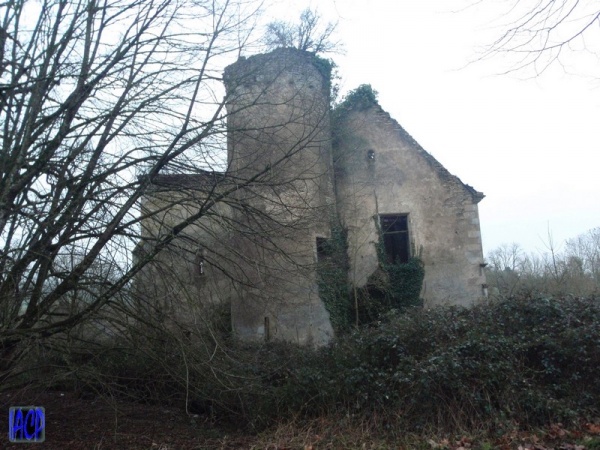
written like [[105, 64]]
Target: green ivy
[[359, 99], [324, 65], [329, 70], [394, 286], [405, 283], [333, 283]]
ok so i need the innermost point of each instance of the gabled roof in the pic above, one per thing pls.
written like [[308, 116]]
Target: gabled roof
[[442, 172], [434, 163]]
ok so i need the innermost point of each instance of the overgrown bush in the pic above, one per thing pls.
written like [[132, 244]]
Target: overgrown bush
[[395, 286], [519, 360], [361, 98], [531, 361]]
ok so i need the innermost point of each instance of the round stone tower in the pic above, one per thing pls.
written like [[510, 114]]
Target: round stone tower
[[279, 153]]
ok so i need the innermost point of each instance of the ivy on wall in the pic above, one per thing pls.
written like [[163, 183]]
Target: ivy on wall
[[324, 65], [332, 274], [405, 283], [329, 70], [393, 286]]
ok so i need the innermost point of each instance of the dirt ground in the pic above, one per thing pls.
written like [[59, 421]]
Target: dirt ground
[[73, 422], [80, 423]]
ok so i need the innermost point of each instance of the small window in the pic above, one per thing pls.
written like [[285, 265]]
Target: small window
[[199, 262], [323, 249], [267, 330], [394, 229], [371, 155]]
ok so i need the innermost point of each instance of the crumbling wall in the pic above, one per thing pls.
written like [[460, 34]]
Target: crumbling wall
[[257, 250]]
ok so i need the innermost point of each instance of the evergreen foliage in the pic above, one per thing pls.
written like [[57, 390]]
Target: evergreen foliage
[[360, 99], [395, 286], [527, 361], [332, 275], [519, 361]]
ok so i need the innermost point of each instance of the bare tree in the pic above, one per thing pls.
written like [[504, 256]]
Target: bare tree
[[113, 133], [571, 271], [584, 251], [309, 34], [505, 268], [93, 93], [540, 33]]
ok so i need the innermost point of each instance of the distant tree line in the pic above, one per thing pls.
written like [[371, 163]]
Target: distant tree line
[[571, 269]]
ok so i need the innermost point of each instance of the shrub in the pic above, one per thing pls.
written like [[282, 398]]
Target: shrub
[[360, 98], [532, 361]]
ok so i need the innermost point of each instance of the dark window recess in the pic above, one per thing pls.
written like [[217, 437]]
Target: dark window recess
[[371, 155], [323, 249], [395, 238], [267, 330]]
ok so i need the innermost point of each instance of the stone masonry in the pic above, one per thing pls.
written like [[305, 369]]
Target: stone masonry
[[293, 172]]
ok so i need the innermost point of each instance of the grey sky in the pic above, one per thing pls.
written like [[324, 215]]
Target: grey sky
[[530, 144]]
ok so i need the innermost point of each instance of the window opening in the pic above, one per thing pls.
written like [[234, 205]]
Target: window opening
[[324, 250], [394, 228], [199, 262], [267, 330]]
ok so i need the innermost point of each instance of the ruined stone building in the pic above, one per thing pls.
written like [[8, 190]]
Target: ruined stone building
[[296, 173]]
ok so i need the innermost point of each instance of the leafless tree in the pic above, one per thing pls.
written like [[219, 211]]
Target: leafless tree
[[309, 34], [94, 93], [585, 251], [505, 264], [102, 102], [572, 270], [541, 32]]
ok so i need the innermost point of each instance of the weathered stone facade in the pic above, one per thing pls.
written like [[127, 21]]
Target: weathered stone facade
[[292, 175], [381, 170]]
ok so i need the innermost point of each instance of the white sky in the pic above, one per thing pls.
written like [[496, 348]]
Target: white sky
[[530, 145]]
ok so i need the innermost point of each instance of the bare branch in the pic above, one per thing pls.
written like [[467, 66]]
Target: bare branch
[[540, 33]]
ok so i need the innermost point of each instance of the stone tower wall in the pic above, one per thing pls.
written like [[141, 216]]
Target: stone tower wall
[[280, 143]]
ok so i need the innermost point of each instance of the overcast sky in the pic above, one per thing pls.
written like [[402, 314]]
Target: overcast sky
[[530, 144]]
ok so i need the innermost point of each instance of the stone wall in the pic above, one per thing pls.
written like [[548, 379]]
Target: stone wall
[[280, 136], [193, 274], [255, 249], [380, 169]]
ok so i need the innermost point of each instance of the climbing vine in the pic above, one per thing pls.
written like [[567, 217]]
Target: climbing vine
[[332, 272], [394, 286], [324, 65], [329, 70]]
